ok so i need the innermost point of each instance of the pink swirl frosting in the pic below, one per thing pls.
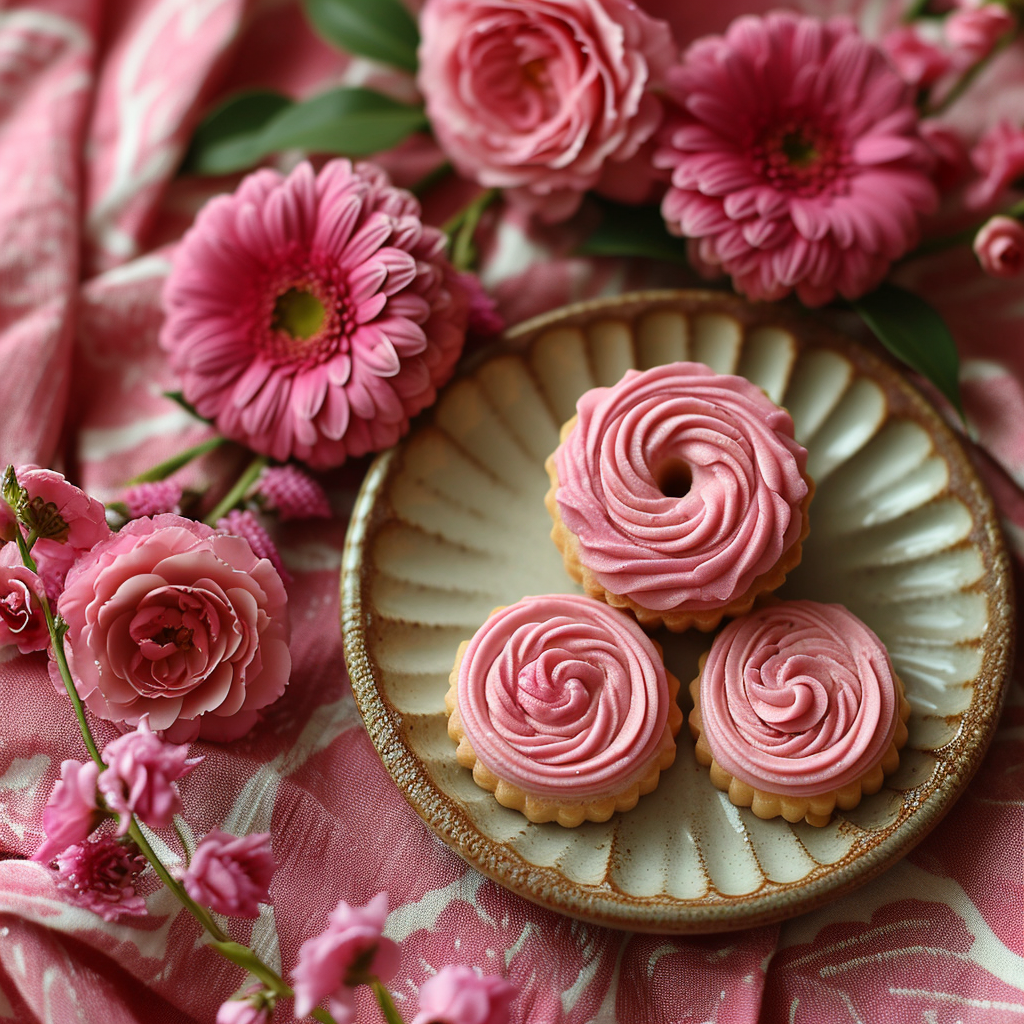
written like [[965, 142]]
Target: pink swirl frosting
[[563, 696], [681, 427], [798, 698]]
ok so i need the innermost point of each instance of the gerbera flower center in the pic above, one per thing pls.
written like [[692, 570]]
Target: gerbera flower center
[[795, 156], [298, 313]]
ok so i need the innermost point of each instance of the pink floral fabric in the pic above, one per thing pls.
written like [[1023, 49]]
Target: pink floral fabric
[[94, 123]]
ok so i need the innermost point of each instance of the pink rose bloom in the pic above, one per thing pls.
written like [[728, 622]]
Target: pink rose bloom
[[796, 159], [152, 499], [292, 494], [538, 96], [140, 776], [999, 158], [999, 246], [100, 873], [253, 1005], [919, 62], [348, 953], [22, 593], [170, 619], [313, 315], [72, 811], [231, 874], [458, 995], [975, 31]]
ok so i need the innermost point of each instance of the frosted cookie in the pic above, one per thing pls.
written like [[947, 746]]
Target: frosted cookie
[[797, 711], [563, 709], [679, 493]]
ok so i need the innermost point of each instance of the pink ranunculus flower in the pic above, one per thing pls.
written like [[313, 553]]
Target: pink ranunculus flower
[[291, 494], [539, 96], [140, 777], [22, 593], [999, 246], [975, 31], [312, 315], [999, 158], [920, 62], [72, 811], [796, 159], [231, 874], [170, 619], [458, 995], [348, 953], [100, 873]]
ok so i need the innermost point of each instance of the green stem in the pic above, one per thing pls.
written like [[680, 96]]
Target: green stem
[[237, 493], [915, 10], [963, 237], [462, 227], [164, 469], [431, 178], [386, 1003]]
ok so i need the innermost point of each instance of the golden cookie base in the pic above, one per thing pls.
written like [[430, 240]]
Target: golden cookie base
[[815, 810], [567, 813], [676, 621]]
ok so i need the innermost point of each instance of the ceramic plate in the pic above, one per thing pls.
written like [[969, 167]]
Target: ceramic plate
[[452, 523]]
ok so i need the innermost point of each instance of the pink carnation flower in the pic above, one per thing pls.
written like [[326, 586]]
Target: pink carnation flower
[[22, 593], [313, 315], [539, 96], [458, 995], [100, 873], [975, 31], [919, 62], [999, 246], [292, 494], [999, 158], [796, 159], [152, 499], [170, 619], [140, 776], [230, 874], [348, 953], [72, 811]]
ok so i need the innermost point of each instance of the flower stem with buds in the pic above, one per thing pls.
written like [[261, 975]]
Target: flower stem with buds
[[462, 227], [164, 469], [237, 493], [963, 237]]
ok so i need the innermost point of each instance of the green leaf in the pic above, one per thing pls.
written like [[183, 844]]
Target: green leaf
[[914, 332], [351, 121], [380, 29], [228, 138], [633, 231]]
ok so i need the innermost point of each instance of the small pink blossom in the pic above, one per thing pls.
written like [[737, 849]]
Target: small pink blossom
[[539, 96], [100, 873], [292, 494], [952, 161], [22, 622], [151, 499], [999, 158], [253, 1005], [795, 158], [458, 995], [919, 62], [243, 523], [312, 315], [72, 811], [170, 619], [999, 246], [140, 777], [348, 953], [975, 31], [230, 874]]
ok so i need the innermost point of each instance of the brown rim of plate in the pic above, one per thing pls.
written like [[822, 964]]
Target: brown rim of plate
[[604, 904]]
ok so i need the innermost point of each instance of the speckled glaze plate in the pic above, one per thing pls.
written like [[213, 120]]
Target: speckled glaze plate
[[452, 523]]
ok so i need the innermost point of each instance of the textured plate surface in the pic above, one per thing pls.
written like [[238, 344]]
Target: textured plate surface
[[452, 523]]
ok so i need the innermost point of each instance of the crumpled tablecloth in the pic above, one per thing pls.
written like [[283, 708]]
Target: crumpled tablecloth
[[97, 101]]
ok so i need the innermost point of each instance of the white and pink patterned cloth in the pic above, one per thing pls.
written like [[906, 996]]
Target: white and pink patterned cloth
[[97, 101]]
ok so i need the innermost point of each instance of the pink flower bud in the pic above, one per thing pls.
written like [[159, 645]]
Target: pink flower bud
[[140, 777], [230, 874], [152, 499], [458, 995], [999, 246], [8, 523], [292, 494], [99, 874], [239, 523], [975, 31], [253, 1005], [918, 61], [72, 811], [348, 953], [22, 593]]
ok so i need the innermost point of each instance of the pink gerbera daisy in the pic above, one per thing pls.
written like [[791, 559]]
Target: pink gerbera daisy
[[796, 161], [313, 315]]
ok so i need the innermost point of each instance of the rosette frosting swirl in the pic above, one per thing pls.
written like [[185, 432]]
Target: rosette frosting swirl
[[681, 485], [563, 696], [798, 698]]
